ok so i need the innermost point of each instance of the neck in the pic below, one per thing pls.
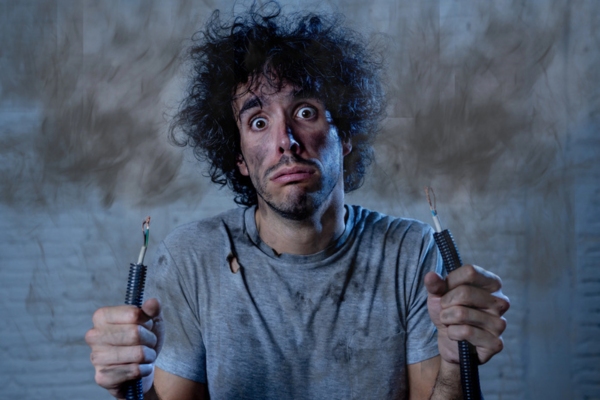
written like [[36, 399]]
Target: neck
[[307, 236]]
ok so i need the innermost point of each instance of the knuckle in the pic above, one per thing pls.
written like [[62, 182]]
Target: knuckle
[[462, 314], [470, 272], [139, 355], [496, 284], [134, 372], [445, 316], [499, 345], [131, 314], [134, 334], [134, 314], [484, 356], [101, 379], [460, 332], [94, 358], [503, 304], [463, 294], [118, 356], [498, 281], [99, 316], [466, 331], [90, 336], [502, 325], [506, 303], [112, 377]]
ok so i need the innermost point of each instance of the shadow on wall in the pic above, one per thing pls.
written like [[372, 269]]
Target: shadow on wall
[[83, 91], [478, 106]]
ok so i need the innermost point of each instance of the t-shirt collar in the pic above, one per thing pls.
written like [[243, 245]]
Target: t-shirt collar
[[253, 235]]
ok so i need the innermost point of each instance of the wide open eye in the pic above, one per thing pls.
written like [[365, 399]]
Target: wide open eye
[[306, 112], [258, 124]]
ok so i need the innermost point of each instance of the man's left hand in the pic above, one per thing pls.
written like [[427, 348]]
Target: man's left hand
[[467, 305]]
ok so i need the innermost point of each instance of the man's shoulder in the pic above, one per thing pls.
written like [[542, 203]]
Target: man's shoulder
[[207, 228], [370, 219]]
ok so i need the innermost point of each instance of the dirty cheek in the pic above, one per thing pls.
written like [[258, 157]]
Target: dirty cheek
[[256, 154], [320, 137]]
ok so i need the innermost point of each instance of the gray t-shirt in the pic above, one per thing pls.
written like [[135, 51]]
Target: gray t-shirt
[[339, 324]]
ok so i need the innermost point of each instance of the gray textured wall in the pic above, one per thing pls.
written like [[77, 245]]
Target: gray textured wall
[[495, 104]]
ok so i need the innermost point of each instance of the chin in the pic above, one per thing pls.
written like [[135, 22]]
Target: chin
[[298, 202], [296, 207]]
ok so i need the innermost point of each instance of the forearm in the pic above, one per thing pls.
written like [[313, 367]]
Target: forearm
[[151, 394], [447, 384]]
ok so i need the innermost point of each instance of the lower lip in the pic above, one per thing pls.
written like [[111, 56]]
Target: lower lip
[[296, 177]]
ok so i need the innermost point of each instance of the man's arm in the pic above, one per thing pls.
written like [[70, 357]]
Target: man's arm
[[434, 379], [467, 305], [422, 377], [172, 387]]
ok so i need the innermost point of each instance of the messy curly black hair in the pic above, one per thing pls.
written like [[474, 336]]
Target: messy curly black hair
[[314, 52]]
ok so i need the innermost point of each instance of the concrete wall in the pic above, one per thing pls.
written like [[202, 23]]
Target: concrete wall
[[495, 104]]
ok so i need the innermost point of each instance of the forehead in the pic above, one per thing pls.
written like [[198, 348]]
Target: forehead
[[261, 93]]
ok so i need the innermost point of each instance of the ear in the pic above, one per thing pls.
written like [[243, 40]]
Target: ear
[[346, 146], [241, 163]]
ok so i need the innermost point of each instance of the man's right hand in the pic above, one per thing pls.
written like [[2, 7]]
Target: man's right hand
[[125, 341]]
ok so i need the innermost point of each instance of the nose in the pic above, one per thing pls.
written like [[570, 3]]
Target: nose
[[288, 141]]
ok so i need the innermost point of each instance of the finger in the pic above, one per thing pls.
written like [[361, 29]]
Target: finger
[[475, 276], [152, 308], [468, 316], [121, 335], [158, 328], [111, 355], [471, 296], [487, 344], [119, 315], [435, 284], [502, 302], [114, 376]]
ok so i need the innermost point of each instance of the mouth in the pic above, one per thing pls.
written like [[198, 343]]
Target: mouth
[[292, 174]]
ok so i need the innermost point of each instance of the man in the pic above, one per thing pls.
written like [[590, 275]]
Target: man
[[297, 295]]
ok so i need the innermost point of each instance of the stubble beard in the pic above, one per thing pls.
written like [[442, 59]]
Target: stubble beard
[[296, 206]]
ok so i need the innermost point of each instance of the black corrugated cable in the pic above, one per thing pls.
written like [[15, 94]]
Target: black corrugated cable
[[468, 359], [135, 297]]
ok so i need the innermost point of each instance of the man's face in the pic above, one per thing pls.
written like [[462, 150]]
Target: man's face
[[290, 149]]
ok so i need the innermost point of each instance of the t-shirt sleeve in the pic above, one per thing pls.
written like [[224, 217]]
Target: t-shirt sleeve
[[421, 340], [183, 352]]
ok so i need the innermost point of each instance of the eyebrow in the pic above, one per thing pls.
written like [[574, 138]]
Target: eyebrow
[[250, 103], [303, 94], [255, 101]]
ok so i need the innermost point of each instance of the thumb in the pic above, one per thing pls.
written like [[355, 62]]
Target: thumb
[[151, 314], [435, 284], [151, 308]]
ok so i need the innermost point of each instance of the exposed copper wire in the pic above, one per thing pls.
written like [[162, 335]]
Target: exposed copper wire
[[146, 232], [146, 229], [146, 224], [427, 193], [436, 221]]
